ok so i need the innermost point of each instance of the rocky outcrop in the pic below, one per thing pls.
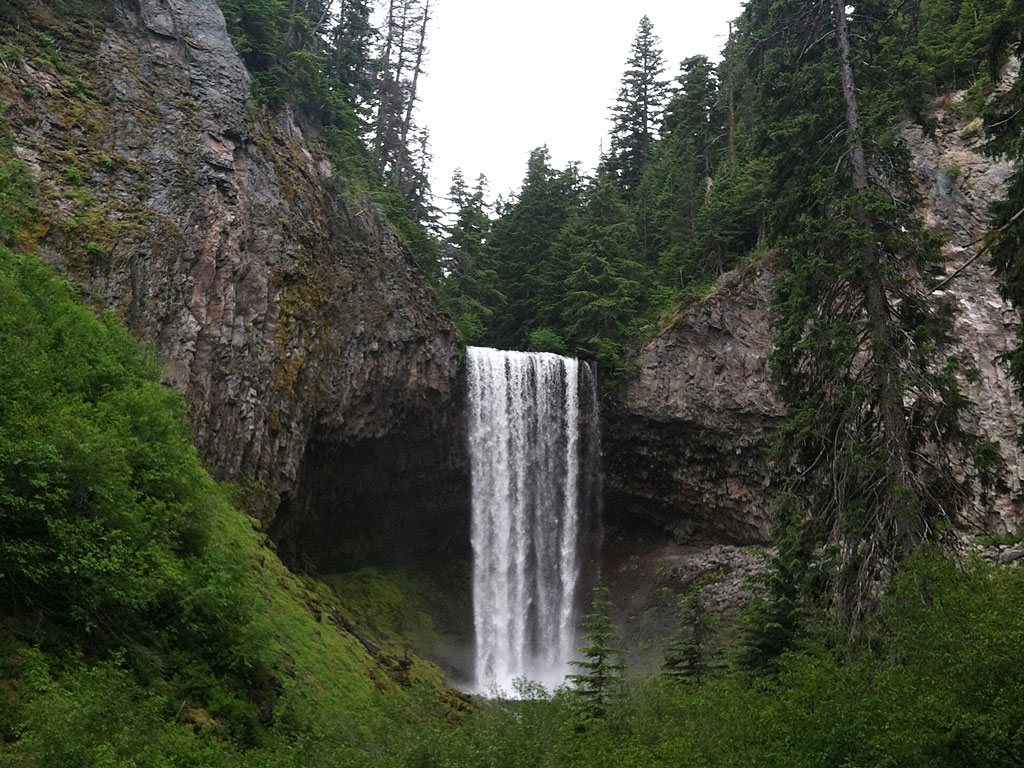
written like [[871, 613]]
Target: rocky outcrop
[[278, 301], [649, 574], [686, 447], [957, 184]]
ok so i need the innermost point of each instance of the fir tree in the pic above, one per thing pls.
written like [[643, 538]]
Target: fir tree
[[605, 288], [695, 111], [772, 620], [689, 656], [531, 278], [470, 290], [731, 221], [862, 355], [399, 146], [681, 166], [638, 110], [351, 61], [669, 199], [602, 671]]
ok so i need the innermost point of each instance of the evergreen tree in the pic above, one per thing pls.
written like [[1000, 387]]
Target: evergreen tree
[[470, 289], [531, 278], [731, 222], [605, 289], [862, 355], [689, 656], [602, 672], [288, 50], [638, 110], [772, 621], [679, 172], [399, 146], [670, 197], [695, 111], [351, 62]]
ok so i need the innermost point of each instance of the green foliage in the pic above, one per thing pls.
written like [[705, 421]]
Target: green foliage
[[293, 58], [637, 111], [952, 42], [422, 246], [546, 340], [142, 621], [1005, 128], [602, 671], [689, 655], [604, 286], [470, 288], [100, 716], [940, 685], [97, 509], [15, 210], [408, 611], [17, 190], [320, 60], [530, 277], [773, 619], [732, 221], [873, 403]]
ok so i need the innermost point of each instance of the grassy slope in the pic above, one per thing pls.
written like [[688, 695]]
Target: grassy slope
[[168, 633], [146, 622]]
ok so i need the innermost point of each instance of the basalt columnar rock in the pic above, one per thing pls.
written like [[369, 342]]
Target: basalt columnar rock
[[279, 302], [686, 446]]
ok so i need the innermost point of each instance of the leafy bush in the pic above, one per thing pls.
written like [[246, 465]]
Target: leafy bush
[[142, 623], [102, 498], [547, 340]]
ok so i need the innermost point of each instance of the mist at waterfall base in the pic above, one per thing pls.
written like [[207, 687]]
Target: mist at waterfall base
[[533, 456]]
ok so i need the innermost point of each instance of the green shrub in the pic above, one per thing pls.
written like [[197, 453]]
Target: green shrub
[[547, 340]]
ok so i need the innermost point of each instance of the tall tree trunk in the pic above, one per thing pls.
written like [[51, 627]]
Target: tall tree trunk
[[417, 69], [391, 148], [383, 85], [884, 360]]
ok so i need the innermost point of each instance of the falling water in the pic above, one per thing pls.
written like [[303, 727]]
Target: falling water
[[525, 452]]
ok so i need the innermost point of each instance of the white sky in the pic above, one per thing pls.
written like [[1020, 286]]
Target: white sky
[[506, 77]]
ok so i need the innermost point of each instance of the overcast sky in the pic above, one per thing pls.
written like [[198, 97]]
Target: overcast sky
[[506, 77]]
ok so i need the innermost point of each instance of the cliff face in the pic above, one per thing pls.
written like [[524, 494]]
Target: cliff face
[[957, 185], [281, 306], [686, 448]]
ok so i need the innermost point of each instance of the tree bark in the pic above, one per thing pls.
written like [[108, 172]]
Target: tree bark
[[885, 359], [384, 85], [417, 69]]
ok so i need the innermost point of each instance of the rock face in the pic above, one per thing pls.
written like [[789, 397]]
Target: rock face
[[686, 447], [957, 185], [278, 302]]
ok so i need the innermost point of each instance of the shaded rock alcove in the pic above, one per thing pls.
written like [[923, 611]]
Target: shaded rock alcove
[[401, 500]]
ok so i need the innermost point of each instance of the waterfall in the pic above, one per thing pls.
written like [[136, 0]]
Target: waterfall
[[528, 492]]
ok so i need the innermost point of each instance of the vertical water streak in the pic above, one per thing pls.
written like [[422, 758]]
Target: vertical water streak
[[525, 453]]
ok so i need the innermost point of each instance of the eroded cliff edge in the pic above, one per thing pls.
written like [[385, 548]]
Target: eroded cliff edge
[[686, 448], [280, 304]]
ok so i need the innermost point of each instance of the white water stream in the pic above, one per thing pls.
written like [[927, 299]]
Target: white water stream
[[525, 453]]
